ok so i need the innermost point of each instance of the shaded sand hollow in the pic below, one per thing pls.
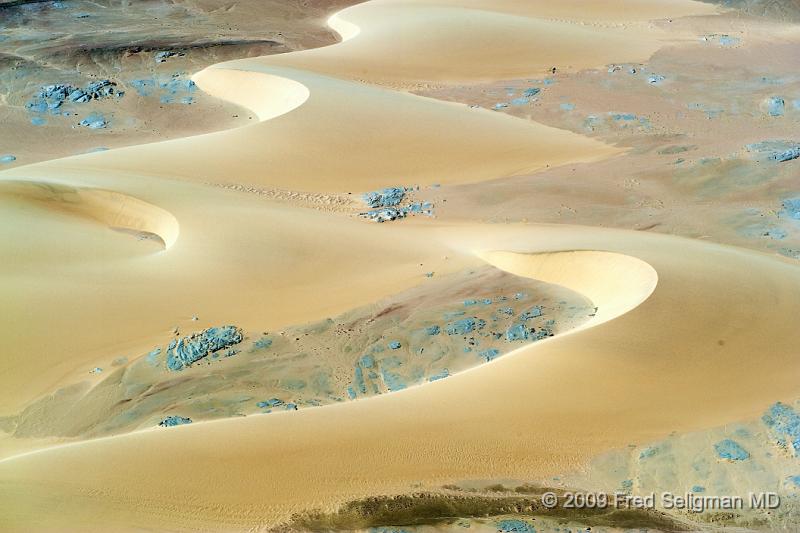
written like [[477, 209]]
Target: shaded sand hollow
[[670, 326]]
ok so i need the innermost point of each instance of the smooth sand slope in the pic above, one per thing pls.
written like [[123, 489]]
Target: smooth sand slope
[[318, 134], [80, 295], [454, 41], [671, 330], [689, 356], [343, 137]]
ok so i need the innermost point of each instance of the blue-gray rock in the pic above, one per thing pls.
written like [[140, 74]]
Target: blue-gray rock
[[163, 55], [791, 208], [94, 121], [184, 352], [174, 421], [388, 197], [775, 150]]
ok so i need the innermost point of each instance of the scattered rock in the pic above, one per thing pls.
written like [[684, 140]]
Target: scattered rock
[[94, 121], [489, 354], [272, 402], [721, 39], [775, 150], [775, 106], [517, 332], [791, 208], [648, 452], [387, 203], [464, 326], [52, 97], [184, 352], [388, 197], [433, 330], [785, 425], [262, 343], [174, 421], [532, 313], [731, 450], [163, 55], [514, 526], [387, 214], [384, 215]]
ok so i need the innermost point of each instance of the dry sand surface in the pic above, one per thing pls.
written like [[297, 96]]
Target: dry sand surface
[[109, 254]]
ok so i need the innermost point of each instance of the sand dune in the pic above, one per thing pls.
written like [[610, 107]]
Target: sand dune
[[670, 331], [617, 12], [452, 41], [641, 373], [314, 264], [303, 148]]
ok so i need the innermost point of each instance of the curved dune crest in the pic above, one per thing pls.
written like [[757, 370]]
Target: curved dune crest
[[266, 95], [126, 212], [346, 30], [616, 283], [114, 209]]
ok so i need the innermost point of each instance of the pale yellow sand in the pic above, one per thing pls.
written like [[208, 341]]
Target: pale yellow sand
[[689, 356], [345, 137], [609, 12], [671, 348], [80, 294], [452, 41], [318, 134]]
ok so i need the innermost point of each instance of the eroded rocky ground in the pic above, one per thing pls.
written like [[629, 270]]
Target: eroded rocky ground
[[148, 50], [710, 129], [445, 325]]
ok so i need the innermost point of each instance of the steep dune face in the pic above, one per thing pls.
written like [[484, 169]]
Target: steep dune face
[[616, 283], [115, 210], [266, 95]]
